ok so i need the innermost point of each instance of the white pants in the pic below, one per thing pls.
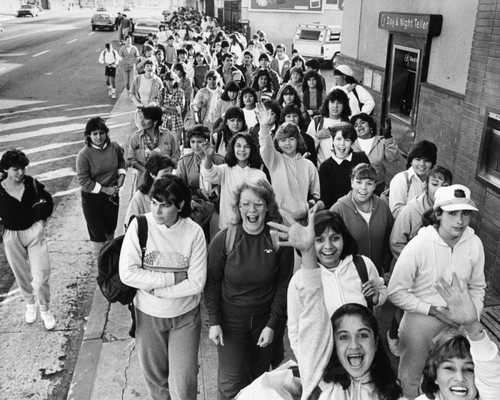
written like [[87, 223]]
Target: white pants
[[28, 256]]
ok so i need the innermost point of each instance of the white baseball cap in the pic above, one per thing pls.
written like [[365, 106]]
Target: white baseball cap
[[454, 198], [345, 70]]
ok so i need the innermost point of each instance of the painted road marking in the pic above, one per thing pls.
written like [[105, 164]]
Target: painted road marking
[[71, 41], [39, 54], [32, 164], [66, 192], [58, 173], [52, 147], [91, 33]]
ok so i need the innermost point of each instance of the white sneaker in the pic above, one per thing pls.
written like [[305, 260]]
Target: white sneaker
[[393, 345], [48, 319], [30, 315], [113, 94]]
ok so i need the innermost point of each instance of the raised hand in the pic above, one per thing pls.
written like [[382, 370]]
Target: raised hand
[[461, 309], [208, 148], [264, 115]]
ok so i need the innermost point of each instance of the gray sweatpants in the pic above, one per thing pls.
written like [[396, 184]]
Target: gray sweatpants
[[28, 256]]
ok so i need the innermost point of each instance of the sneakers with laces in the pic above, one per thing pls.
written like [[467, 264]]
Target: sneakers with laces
[[393, 345], [30, 315], [48, 319]]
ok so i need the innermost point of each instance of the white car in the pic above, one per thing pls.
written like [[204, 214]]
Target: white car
[[28, 9], [317, 40]]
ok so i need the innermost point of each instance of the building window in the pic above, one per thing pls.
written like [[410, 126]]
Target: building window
[[488, 169]]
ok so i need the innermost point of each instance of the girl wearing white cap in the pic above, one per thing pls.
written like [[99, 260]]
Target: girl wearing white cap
[[448, 246]]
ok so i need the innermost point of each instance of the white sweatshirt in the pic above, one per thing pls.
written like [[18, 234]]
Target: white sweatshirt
[[341, 285], [180, 248], [426, 258]]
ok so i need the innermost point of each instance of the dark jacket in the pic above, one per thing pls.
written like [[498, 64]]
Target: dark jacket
[[19, 216]]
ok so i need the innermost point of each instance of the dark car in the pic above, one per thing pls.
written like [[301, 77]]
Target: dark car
[[28, 9], [143, 27], [102, 21]]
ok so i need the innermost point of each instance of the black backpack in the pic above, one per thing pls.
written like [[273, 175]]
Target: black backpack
[[108, 276]]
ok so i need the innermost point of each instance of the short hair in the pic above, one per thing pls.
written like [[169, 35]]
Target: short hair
[[254, 160], [153, 113], [14, 158], [269, 47], [212, 73], [341, 96], [297, 70], [224, 44], [148, 62], [440, 170], [298, 57], [274, 107], [286, 130], [262, 188], [364, 171], [281, 46], [293, 109], [155, 163], [225, 56], [171, 189], [313, 63], [263, 56], [248, 53], [155, 36], [327, 219], [348, 131], [366, 118], [244, 91], [456, 347], [230, 87], [423, 149], [198, 131], [171, 37], [182, 51], [94, 124]]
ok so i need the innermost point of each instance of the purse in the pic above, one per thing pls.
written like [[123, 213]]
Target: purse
[[39, 203]]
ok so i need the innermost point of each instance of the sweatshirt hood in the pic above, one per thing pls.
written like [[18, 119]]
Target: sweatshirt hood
[[430, 233]]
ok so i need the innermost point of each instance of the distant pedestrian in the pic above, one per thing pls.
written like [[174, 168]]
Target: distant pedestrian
[[24, 208], [101, 169], [129, 54], [110, 59]]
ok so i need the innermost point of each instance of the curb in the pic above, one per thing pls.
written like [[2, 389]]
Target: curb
[[88, 357]]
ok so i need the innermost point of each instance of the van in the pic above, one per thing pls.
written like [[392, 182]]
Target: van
[[316, 40]]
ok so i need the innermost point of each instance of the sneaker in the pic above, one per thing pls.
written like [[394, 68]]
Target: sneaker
[[393, 345], [48, 319], [113, 94], [30, 315], [110, 90]]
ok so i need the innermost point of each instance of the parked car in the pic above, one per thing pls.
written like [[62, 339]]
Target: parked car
[[28, 9], [319, 41], [143, 27], [102, 21], [101, 9], [127, 9]]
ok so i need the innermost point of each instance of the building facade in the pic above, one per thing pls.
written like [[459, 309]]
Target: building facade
[[434, 68]]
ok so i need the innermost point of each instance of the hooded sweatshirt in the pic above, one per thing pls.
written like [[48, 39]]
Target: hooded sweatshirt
[[372, 238], [408, 222], [341, 285], [425, 259], [294, 179]]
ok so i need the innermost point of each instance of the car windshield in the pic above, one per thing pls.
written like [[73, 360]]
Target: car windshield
[[101, 16], [27, 6]]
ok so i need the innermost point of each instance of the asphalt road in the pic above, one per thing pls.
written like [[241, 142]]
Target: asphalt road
[[50, 85]]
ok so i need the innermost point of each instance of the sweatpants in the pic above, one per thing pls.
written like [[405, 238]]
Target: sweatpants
[[415, 341], [128, 76], [167, 349], [241, 361], [28, 256]]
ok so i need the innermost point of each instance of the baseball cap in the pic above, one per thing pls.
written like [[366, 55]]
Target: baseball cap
[[345, 70], [454, 198]]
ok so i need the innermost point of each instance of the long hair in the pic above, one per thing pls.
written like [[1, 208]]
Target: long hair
[[315, 75], [383, 378], [179, 67], [264, 190], [171, 189], [289, 89], [341, 96], [293, 109], [244, 91], [262, 72], [254, 160]]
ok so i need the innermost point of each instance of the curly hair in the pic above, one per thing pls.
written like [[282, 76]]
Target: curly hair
[[171, 189], [14, 158], [366, 118], [293, 109], [262, 72], [340, 96], [243, 92], [312, 74], [264, 190], [383, 377], [254, 160], [286, 130]]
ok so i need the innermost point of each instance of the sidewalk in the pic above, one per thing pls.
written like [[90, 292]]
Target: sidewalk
[[107, 366]]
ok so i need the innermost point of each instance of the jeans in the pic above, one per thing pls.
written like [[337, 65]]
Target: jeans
[[240, 359], [165, 342]]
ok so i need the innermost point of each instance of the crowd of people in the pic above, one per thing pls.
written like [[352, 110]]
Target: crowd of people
[[242, 154]]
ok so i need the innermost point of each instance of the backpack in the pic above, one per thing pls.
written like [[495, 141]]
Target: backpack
[[355, 93], [360, 265], [231, 236], [385, 194], [108, 277]]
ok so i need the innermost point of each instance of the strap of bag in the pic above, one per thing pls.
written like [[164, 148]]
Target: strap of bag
[[318, 122], [142, 230], [354, 91], [230, 237], [360, 265]]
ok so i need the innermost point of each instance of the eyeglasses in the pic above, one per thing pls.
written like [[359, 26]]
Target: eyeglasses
[[246, 205]]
